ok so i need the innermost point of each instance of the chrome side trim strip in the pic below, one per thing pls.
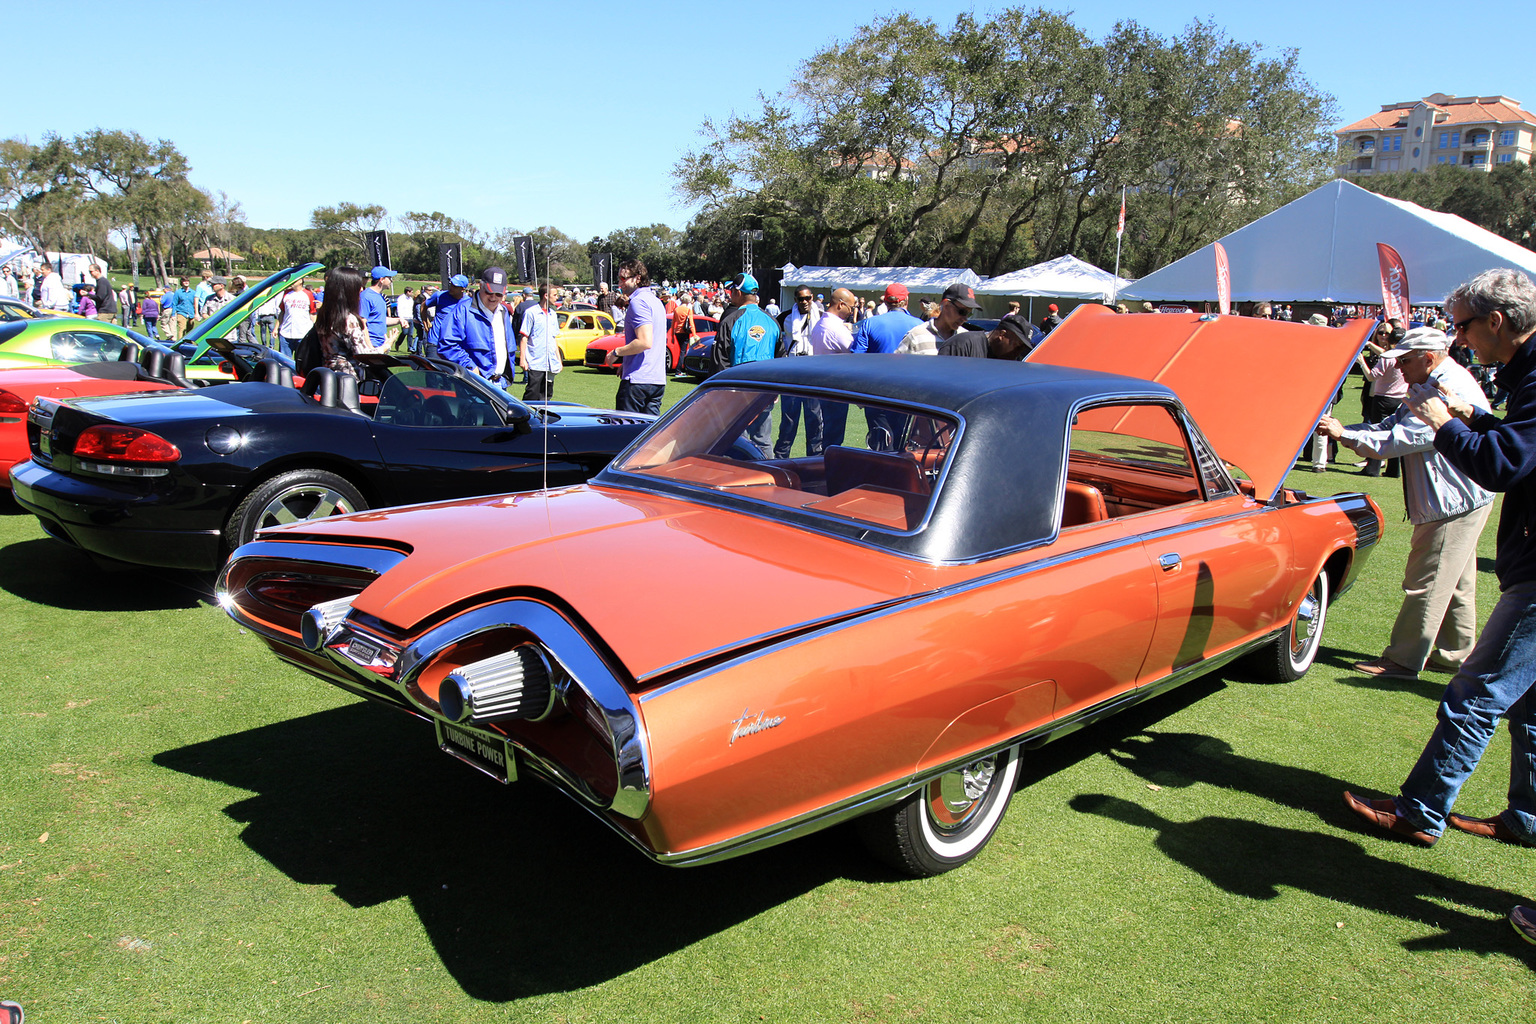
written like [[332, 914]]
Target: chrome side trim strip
[[796, 633], [898, 790]]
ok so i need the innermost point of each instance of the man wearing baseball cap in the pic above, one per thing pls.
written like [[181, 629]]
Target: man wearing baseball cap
[[376, 311], [746, 334], [476, 331], [1051, 320], [884, 333], [1010, 339], [959, 302], [1437, 623]]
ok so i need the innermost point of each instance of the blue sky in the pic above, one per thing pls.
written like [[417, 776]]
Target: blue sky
[[571, 113]]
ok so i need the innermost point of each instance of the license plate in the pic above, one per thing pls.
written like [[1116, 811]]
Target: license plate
[[45, 443], [492, 756]]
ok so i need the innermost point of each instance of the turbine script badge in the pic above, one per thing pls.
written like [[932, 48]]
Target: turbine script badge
[[749, 723]]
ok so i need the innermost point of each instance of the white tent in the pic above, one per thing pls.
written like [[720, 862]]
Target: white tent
[[919, 280], [1322, 248], [1065, 277]]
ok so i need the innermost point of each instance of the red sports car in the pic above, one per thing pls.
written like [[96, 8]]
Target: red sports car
[[600, 352]]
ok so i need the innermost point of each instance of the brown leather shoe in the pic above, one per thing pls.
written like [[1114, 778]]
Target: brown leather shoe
[[1383, 814], [1488, 828], [1386, 668]]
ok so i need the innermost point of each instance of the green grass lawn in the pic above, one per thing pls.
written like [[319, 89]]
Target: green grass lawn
[[190, 831]]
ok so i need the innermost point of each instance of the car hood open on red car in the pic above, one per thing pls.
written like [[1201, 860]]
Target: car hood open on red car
[[1225, 370]]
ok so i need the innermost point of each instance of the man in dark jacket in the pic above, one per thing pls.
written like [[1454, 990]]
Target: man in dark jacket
[[1495, 313], [106, 298]]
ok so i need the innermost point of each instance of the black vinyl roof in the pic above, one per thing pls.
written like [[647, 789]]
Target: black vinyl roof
[[1002, 487]]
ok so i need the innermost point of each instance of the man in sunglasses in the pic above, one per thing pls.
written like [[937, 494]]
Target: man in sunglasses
[[1495, 313], [1437, 623]]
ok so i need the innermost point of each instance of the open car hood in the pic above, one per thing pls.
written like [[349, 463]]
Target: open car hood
[[243, 307], [1256, 387]]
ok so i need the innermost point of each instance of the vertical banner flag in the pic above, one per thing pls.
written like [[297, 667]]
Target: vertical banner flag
[[378, 249], [1121, 229], [602, 268], [1223, 280], [1394, 283], [450, 259], [522, 248]]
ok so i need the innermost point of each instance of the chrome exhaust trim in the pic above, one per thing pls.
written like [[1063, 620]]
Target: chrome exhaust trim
[[520, 684], [318, 625]]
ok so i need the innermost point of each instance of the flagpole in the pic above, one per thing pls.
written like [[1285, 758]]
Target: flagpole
[[1119, 233]]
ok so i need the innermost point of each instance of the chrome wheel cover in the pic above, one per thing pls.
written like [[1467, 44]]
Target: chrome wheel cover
[[1306, 628], [303, 501], [954, 798]]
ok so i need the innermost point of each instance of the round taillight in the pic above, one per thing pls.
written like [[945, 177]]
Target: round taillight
[[110, 443]]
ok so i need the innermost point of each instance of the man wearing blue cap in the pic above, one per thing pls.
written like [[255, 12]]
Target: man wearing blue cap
[[376, 310], [746, 334], [433, 308]]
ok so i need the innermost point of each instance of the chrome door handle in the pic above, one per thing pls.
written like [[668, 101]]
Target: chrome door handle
[[1170, 561]]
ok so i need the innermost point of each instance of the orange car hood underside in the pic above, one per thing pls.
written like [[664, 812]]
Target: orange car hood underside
[[626, 562], [1256, 387]]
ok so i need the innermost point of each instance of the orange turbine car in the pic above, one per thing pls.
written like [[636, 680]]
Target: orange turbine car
[[979, 557]]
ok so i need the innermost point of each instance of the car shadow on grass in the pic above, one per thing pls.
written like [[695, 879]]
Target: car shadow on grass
[[50, 573], [520, 891], [1256, 860]]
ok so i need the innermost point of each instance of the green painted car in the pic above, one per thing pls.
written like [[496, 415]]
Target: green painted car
[[58, 341]]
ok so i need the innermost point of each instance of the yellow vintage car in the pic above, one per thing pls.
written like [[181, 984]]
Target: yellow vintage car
[[578, 329]]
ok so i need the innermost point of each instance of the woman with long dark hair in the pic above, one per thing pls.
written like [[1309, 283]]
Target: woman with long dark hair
[[339, 330]]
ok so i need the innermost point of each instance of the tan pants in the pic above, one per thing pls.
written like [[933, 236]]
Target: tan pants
[[1438, 618]]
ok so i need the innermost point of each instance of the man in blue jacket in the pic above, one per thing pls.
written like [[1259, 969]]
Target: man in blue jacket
[[477, 332], [746, 334], [1495, 313]]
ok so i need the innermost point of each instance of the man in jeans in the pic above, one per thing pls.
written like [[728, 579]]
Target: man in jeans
[[1495, 312], [643, 375]]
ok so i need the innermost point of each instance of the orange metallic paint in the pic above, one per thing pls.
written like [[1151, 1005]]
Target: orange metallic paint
[[1209, 363]]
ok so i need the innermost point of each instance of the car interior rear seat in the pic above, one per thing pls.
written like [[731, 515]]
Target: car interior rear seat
[[848, 468], [1082, 503]]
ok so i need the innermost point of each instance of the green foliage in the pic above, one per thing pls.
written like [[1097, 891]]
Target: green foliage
[[1501, 200], [999, 142]]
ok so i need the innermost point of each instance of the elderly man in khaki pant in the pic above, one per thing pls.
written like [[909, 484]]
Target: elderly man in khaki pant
[[1437, 623]]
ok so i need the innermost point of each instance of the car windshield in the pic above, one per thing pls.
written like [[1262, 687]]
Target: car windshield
[[880, 464]]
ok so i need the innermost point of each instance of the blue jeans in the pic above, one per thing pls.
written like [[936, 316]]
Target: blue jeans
[[149, 327], [790, 409], [1495, 681]]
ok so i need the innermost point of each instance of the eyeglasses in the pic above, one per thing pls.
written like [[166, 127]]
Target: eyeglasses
[[1461, 325], [803, 298]]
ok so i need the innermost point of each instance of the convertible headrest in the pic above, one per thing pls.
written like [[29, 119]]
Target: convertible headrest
[[153, 361], [320, 384], [273, 372], [176, 370], [346, 392]]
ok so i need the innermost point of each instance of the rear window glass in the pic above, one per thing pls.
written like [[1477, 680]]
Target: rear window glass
[[878, 465]]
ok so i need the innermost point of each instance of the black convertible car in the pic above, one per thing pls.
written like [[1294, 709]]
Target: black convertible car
[[180, 478]]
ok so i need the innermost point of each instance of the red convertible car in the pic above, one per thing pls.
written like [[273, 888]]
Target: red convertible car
[[993, 555]]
